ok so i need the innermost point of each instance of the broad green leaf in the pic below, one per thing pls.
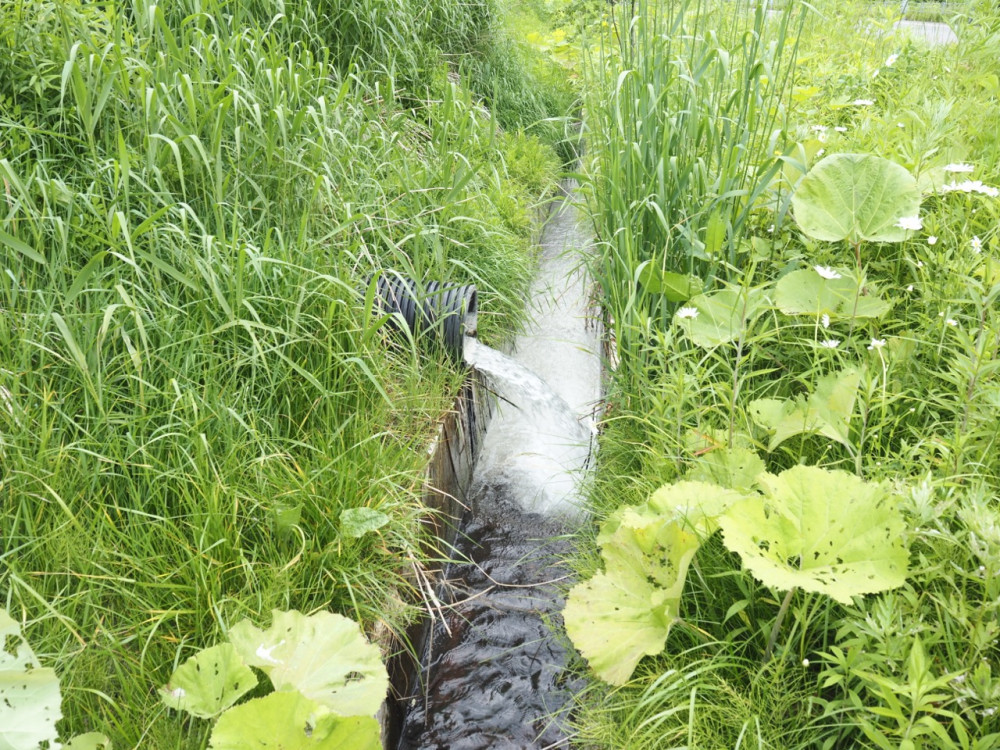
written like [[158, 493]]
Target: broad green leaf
[[676, 287], [855, 197], [822, 530], [736, 468], [826, 412], [356, 522], [696, 505], [290, 721], [209, 682], [325, 656], [722, 316], [656, 545], [616, 618], [30, 703], [89, 741], [805, 292]]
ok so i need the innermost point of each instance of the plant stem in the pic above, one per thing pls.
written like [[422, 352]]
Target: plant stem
[[782, 610]]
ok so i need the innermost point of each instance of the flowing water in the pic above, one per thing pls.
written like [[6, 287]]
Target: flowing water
[[493, 665]]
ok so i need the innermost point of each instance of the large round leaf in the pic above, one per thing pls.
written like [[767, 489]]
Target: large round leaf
[[805, 292], [29, 693], [324, 656], [290, 721], [209, 682], [855, 197], [822, 530]]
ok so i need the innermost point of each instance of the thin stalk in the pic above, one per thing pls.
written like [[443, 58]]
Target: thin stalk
[[776, 627]]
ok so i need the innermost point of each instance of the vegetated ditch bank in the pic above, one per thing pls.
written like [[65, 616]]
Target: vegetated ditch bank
[[505, 477]]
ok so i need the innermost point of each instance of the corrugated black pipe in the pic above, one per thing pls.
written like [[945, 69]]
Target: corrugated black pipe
[[448, 312]]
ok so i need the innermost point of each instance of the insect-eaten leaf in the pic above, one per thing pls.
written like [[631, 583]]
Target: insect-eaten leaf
[[89, 741], [30, 702], [625, 613], [289, 721], [821, 530], [723, 315], [855, 197], [325, 656], [805, 292], [735, 467], [356, 522], [209, 682], [827, 411]]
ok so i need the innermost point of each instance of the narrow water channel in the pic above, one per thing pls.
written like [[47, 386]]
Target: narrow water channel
[[493, 666]]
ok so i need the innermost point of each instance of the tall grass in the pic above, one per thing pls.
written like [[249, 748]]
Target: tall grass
[[193, 384], [685, 131]]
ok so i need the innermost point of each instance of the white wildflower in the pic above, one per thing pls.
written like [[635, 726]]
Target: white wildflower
[[805, 662], [840, 129], [891, 60], [932, 240], [900, 124], [909, 287], [977, 245], [958, 167], [863, 102], [876, 344], [826, 272], [825, 320], [819, 128], [689, 313], [830, 343], [910, 222], [970, 186], [951, 322]]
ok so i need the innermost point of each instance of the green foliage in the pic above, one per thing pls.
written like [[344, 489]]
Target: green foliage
[[323, 656], [29, 692], [827, 411], [328, 682], [723, 316], [810, 293], [290, 721], [856, 197], [819, 530], [209, 682]]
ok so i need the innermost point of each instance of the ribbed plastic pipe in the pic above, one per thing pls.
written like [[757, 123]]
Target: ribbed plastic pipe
[[448, 313]]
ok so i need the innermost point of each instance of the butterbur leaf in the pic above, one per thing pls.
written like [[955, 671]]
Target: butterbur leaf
[[30, 703], [89, 741], [821, 530], [616, 618], [855, 197], [722, 316], [325, 656], [675, 287], [805, 292], [209, 682], [290, 721], [356, 522], [736, 468], [826, 412], [657, 546]]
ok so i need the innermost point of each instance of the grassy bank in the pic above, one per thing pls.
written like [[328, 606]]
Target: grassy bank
[[194, 386], [734, 358]]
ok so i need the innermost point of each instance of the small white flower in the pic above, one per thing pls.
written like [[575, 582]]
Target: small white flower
[[951, 322], [826, 272], [819, 128], [265, 653], [863, 102], [909, 288], [840, 129], [900, 124], [830, 343], [977, 245], [891, 60], [932, 240], [876, 344], [805, 662], [920, 264], [958, 168], [771, 228], [825, 320], [910, 222], [971, 186], [689, 313]]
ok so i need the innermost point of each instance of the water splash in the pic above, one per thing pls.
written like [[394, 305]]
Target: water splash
[[535, 445]]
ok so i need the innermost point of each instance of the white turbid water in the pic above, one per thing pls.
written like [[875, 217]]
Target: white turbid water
[[539, 443]]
